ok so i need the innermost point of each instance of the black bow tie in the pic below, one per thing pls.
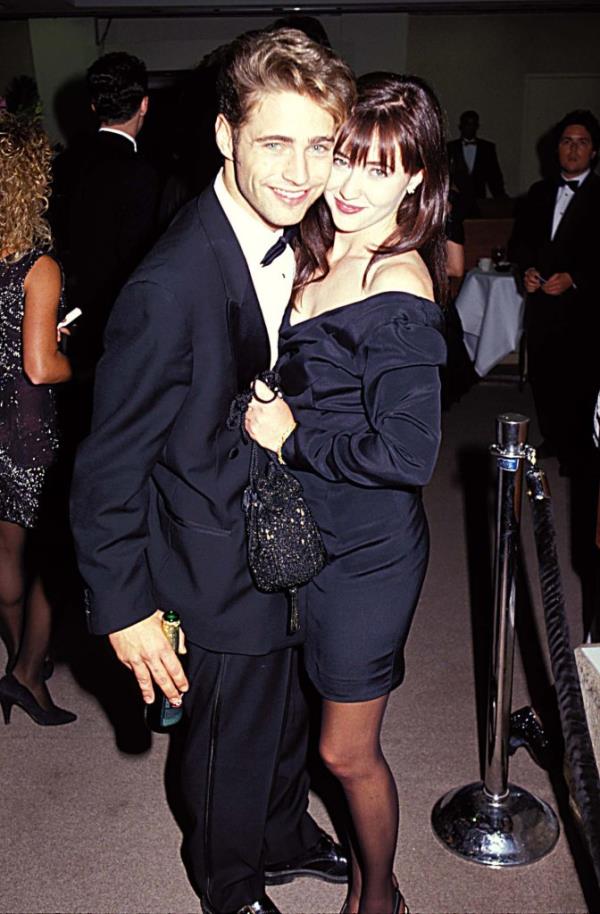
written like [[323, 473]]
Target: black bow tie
[[279, 247], [574, 185]]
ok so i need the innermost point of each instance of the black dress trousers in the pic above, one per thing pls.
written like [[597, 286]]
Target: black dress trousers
[[243, 775]]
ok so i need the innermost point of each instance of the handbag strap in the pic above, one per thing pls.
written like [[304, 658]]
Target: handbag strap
[[253, 476]]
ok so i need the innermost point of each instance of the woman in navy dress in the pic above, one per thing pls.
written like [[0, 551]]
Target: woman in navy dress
[[359, 425]]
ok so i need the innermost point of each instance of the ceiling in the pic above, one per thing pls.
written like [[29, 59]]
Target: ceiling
[[18, 9]]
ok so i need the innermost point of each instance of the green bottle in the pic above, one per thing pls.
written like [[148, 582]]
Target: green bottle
[[161, 715]]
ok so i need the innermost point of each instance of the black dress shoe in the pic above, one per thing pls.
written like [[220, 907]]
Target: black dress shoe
[[326, 860], [262, 905]]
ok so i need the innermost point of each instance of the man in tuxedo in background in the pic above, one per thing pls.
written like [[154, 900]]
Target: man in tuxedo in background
[[157, 495], [556, 242], [113, 202], [474, 166]]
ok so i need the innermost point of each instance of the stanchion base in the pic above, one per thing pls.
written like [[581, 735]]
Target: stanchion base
[[516, 830]]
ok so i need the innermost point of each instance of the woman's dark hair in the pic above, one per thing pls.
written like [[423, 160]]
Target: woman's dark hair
[[401, 112], [117, 84]]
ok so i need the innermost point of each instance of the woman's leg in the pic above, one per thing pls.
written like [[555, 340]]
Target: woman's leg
[[25, 621], [350, 747], [12, 586], [35, 641]]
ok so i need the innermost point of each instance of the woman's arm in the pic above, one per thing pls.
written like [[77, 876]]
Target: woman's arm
[[42, 360], [456, 259], [401, 398]]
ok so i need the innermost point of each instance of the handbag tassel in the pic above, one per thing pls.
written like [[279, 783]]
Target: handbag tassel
[[294, 620]]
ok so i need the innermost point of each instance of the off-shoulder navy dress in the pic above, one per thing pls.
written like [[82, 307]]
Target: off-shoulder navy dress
[[363, 383]]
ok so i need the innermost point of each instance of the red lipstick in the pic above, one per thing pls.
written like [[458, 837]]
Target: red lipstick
[[347, 208]]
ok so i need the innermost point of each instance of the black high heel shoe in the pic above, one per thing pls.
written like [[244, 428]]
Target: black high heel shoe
[[13, 693], [400, 906]]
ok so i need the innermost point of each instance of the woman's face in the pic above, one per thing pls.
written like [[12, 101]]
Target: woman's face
[[364, 196]]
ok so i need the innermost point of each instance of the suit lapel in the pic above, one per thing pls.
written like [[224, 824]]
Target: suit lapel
[[574, 213], [247, 330], [546, 214]]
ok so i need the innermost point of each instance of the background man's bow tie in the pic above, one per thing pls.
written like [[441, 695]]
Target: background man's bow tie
[[469, 142], [574, 185], [279, 247]]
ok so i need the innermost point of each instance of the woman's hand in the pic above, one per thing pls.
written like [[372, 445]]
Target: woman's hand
[[267, 423]]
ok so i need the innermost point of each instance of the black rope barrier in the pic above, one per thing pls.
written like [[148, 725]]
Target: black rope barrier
[[584, 784]]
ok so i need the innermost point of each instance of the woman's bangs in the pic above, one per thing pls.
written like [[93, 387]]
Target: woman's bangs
[[356, 138]]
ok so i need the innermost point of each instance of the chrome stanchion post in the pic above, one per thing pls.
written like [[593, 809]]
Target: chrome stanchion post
[[493, 822], [511, 432]]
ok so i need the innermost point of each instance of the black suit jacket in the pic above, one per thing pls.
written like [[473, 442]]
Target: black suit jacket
[[156, 504], [112, 223], [486, 170], [574, 248]]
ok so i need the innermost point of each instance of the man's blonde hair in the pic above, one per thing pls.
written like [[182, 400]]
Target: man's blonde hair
[[285, 60]]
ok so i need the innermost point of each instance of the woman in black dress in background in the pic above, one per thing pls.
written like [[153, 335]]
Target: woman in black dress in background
[[359, 360], [30, 361]]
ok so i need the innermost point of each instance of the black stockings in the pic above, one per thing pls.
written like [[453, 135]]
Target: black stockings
[[350, 747], [25, 618]]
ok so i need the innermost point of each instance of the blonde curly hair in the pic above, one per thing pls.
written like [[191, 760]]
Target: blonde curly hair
[[25, 157]]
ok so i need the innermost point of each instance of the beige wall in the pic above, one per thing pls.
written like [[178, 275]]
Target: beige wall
[[482, 62], [367, 42], [15, 52], [62, 51], [479, 61]]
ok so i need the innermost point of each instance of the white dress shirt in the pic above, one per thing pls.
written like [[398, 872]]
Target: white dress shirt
[[119, 133], [564, 195], [469, 153], [272, 284]]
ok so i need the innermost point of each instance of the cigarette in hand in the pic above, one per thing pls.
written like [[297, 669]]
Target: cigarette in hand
[[69, 318]]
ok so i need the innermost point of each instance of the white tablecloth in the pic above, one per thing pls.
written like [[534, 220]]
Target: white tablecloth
[[491, 313]]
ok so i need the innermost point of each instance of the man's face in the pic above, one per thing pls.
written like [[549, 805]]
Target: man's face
[[468, 128], [279, 160], [575, 150]]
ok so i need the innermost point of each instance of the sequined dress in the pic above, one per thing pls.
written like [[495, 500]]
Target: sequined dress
[[28, 427]]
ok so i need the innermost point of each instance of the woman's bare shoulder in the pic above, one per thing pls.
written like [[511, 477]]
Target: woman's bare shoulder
[[404, 273], [45, 271]]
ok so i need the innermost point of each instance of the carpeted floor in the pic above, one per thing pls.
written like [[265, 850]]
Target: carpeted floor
[[86, 825]]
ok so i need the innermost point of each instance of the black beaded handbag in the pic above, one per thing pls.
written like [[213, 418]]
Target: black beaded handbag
[[285, 548]]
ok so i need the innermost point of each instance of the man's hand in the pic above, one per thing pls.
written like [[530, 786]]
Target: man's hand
[[143, 648], [532, 280], [557, 284]]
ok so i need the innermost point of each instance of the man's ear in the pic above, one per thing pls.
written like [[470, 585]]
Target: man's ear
[[144, 106], [224, 137]]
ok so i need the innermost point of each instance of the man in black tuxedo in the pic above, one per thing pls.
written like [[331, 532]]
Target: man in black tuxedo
[[158, 485], [556, 242], [474, 166], [113, 201]]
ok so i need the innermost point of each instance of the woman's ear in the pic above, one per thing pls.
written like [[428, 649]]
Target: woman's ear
[[414, 182]]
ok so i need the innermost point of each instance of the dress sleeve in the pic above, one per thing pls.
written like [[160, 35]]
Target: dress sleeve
[[401, 397], [141, 383]]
